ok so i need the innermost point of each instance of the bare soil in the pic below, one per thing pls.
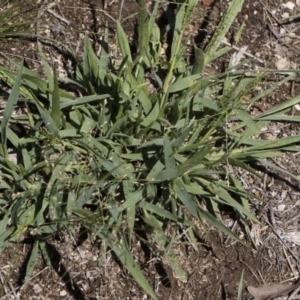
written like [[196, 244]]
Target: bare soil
[[215, 270]]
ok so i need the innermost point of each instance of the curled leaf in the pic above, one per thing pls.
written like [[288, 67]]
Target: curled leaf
[[268, 291]]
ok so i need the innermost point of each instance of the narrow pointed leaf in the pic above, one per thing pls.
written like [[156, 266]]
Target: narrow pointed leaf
[[31, 262], [55, 111], [127, 260], [10, 106], [123, 44]]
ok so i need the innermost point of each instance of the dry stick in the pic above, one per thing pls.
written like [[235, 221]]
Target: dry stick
[[75, 244], [273, 31], [50, 11], [269, 11], [3, 285], [272, 218], [244, 52], [296, 217], [4, 297], [59, 8], [42, 9], [289, 262], [111, 2], [280, 40], [250, 269], [108, 3], [232, 229], [295, 291], [239, 49], [13, 291], [280, 238], [278, 164], [261, 277]]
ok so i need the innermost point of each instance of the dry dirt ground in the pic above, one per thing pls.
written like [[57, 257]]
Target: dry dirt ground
[[215, 270]]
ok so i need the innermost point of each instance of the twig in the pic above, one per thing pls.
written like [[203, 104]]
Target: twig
[[52, 12], [75, 244], [232, 229], [280, 238], [13, 291], [250, 269], [272, 218], [42, 9], [273, 31], [108, 3], [261, 277], [59, 8], [269, 11], [280, 40], [18, 288], [289, 262], [278, 164], [295, 291], [239, 49], [3, 283], [244, 52]]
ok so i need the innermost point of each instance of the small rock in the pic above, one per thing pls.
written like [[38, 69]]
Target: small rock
[[282, 64], [289, 5], [297, 107], [57, 29], [63, 293], [37, 289], [285, 15]]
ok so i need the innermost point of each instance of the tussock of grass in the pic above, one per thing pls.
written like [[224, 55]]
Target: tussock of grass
[[16, 18], [118, 153]]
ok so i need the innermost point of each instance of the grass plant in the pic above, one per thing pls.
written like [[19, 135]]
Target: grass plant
[[16, 18], [117, 157]]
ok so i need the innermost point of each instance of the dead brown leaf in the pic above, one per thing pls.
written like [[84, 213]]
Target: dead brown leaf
[[208, 2], [267, 291]]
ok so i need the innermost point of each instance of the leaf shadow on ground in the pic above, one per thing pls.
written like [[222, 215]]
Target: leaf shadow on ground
[[57, 265]]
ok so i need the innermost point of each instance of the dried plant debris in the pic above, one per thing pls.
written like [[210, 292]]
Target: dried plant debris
[[269, 291]]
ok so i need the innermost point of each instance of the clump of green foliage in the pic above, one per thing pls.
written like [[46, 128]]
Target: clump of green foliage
[[16, 18], [118, 157]]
